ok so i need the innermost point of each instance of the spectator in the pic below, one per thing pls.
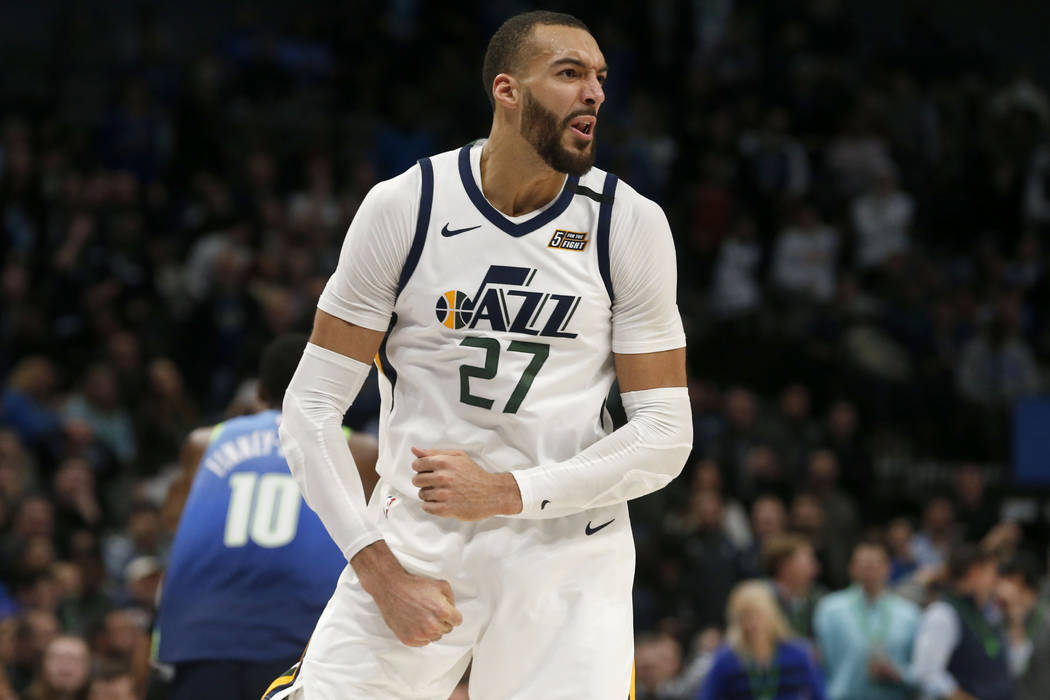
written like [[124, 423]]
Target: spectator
[[976, 511], [76, 503], [26, 404], [36, 630], [708, 477], [768, 519], [794, 433], [82, 611], [996, 367], [857, 156], [63, 672], [658, 661], [841, 518], [843, 437], [98, 405], [930, 546], [959, 651], [144, 536], [142, 578], [112, 684], [790, 563], [899, 535], [711, 563], [866, 633], [805, 258], [779, 164], [123, 632], [34, 517], [741, 432], [164, 417], [1028, 626], [882, 218], [16, 470], [735, 292], [759, 659]]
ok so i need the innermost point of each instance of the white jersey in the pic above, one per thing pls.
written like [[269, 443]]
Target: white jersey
[[501, 330]]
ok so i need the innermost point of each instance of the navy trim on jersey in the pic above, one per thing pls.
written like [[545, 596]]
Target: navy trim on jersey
[[426, 200], [384, 360], [496, 217], [601, 236]]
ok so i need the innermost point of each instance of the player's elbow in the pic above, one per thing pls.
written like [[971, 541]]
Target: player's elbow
[[664, 420], [678, 455]]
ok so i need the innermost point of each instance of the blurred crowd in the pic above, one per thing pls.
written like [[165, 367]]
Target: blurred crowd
[[862, 234]]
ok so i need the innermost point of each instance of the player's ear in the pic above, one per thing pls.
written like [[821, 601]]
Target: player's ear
[[506, 90]]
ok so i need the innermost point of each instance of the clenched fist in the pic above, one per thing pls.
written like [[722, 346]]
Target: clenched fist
[[452, 485], [417, 609]]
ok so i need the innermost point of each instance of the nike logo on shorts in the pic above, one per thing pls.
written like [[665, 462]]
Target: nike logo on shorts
[[591, 530], [446, 231], [544, 503]]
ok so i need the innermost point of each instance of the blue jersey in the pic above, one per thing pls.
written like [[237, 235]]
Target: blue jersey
[[252, 567]]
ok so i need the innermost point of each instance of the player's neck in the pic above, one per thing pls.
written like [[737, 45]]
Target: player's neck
[[514, 178]]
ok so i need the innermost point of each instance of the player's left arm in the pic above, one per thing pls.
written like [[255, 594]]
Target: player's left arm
[[644, 455]]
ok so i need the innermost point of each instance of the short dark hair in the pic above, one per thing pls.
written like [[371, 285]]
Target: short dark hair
[[503, 54], [279, 360], [963, 557], [1025, 565], [872, 542], [778, 549]]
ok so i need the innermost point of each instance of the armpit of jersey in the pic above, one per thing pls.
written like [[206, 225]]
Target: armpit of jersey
[[363, 288], [644, 274]]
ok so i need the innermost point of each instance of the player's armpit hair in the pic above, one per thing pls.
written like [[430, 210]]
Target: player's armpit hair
[[643, 456], [322, 389]]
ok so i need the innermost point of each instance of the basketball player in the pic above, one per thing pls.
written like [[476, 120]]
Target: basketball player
[[251, 568], [501, 288]]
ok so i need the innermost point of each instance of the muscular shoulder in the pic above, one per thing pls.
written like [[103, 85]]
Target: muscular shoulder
[[394, 201], [636, 215]]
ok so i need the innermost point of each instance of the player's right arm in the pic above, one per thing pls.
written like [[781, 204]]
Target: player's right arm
[[352, 317], [193, 449]]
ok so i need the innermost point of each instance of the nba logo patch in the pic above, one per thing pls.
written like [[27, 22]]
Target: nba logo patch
[[389, 502], [568, 240]]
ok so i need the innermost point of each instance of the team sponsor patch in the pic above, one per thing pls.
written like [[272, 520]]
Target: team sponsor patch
[[568, 240]]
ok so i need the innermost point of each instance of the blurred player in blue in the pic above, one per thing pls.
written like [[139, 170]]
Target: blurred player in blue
[[252, 567]]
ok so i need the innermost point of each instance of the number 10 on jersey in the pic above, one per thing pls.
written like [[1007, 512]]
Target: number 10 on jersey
[[264, 509], [539, 351]]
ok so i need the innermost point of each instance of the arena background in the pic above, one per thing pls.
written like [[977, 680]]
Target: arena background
[[860, 196]]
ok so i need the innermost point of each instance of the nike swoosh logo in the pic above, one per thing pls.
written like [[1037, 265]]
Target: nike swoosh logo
[[591, 530], [543, 504], [446, 231]]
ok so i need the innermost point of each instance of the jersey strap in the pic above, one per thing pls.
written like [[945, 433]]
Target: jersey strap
[[426, 200], [602, 235], [216, 432]]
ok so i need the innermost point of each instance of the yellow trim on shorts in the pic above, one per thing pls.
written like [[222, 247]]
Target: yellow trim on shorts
[[630, 695], [279, 684]]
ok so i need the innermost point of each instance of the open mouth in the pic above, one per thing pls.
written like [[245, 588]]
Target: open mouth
[[583, 126]]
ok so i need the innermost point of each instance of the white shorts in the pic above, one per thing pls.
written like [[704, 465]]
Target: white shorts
[[546, 612]]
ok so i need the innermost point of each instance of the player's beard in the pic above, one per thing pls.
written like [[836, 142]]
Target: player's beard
[[541, 129]]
